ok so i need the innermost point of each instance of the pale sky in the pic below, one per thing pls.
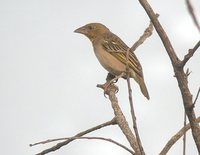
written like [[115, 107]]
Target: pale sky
[[49, 75]]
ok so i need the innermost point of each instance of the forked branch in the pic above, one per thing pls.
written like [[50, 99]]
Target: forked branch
[[190, 54], [89, 138], [179, 73], [120, 118], [176, 137], [61, 144]]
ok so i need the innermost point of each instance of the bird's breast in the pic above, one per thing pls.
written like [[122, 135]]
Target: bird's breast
[[109, 62]]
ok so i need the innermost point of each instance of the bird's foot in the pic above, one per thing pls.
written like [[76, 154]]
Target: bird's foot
[[110, 84]]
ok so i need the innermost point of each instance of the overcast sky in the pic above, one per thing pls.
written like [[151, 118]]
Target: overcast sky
[[49, 75]]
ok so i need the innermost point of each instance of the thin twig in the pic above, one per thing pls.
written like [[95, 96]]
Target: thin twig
[[184, 136], [61, 144], [147, 33], [176, 137], [190, 54], [196, 97], [191, 11], [163, 36], [131, 103], [89, 138]]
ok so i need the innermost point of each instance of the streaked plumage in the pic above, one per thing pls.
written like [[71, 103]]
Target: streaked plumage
[[111, 53]]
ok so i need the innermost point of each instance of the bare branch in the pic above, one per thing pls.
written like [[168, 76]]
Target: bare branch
[[196, 97], [176, 137], [131, 103], [61, 144], [190, 54], [191, 11], [147, 33], [184, 135], [120, 118], [179, 73], [89, 138], [163, 36]]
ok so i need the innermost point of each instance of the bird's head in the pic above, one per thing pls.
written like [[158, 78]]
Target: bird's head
[[92, 30]]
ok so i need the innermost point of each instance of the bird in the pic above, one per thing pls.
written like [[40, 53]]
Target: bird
[[110, 50]]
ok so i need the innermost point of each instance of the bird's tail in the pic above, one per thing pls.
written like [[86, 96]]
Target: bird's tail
[[143, 88], [140, 81]]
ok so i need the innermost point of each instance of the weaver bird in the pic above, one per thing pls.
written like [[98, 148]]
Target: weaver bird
[[110, 50]]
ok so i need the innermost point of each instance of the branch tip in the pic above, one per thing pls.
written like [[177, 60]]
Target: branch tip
[[190, 54], [191, 11], [176, 137], [65, 142]]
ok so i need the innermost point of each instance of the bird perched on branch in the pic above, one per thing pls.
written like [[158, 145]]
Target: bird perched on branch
[[111, 53]]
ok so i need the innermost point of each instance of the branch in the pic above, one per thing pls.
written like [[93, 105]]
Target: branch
[[189, 54], [120, 118], [191, 11], [61, 144], [163, 36], [184, 136], [147, 33], [89, 138], [196, 97], [131, 104], [176, 137], [179, 73]]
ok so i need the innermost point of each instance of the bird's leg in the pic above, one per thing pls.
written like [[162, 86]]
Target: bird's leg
[[110, 77], [110, 80], [115, 79]]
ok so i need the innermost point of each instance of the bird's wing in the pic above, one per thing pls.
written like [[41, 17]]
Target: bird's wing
[[116, 47]]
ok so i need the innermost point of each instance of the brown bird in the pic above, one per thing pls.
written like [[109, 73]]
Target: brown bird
[[111, 53]]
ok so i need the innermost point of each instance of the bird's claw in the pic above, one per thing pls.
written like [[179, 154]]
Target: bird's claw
[[115, 81], [107, 86]]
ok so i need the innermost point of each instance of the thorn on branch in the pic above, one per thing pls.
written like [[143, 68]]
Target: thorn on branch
[[188, 72]]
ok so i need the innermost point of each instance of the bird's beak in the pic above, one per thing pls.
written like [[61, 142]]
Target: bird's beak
[[81, 30]]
